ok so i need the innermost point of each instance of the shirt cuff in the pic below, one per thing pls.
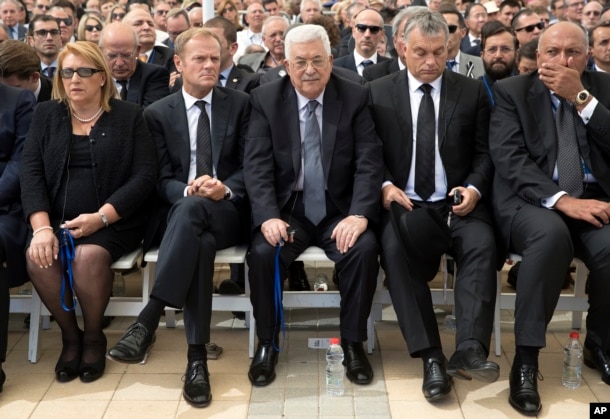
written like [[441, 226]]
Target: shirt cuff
[[587, 112], [551, 201], [475, 189], [386, 183], [186, 190]]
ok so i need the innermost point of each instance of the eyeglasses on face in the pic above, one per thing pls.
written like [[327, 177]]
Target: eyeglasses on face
[[91, 28], [161, 12], [530, 28], [593, 13], [66, 21], [43, 33], [317, 63], [373, 29], [84, 72], [452, 28], [43, 6], [228, 9], [114, 16], [503, 50]]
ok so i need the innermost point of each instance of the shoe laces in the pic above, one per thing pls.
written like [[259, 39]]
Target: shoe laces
[[138, 331], [530, 375]]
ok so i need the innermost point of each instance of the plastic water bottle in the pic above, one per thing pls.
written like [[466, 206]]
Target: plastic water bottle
[[321, 283], [334, 369], [572, 362]]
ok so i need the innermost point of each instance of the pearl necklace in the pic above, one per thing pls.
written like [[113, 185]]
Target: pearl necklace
[[84, 121]]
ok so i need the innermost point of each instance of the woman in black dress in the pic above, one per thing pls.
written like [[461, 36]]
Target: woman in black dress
[[88, 166]]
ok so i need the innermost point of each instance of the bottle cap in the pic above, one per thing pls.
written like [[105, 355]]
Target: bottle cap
[[334, 341], [574, 335]]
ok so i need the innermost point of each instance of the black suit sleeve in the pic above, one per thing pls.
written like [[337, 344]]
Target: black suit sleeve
[[155, 85], [15, 117], [510, 153]]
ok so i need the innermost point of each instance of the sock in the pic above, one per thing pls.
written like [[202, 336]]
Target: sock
[[196, 353], [151, 314], [468, 344], [527, 355], [432, 353]]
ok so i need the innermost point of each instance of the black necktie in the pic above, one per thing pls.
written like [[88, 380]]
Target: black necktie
[[204, 142], [220, 79], [49, 72], [569, 167], [424, 156], [313, 175], [123, 84], [366, 63]]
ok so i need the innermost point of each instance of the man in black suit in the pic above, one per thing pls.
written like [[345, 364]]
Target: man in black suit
[[142, 22], [16, 109], [137, 82], [550, 144], [376, 71], [20, 67], [44, 37], [177, 22], [231, 76], [475, 17], [306, 131], [598, 42], [9, 15], [424, 167], [201, 178], [367, 32]]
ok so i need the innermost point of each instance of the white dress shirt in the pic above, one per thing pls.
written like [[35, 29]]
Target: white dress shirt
[[192, 116]]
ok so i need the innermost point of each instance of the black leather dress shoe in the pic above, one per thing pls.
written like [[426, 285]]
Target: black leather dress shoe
[[134, 346], [436, 384], [598, 359], [197, 389], [356, 361], [523, 394], [297, 277], [262, 368], [472, 363]]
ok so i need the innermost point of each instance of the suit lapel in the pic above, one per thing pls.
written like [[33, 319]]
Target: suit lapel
[[291, 118], [540, 107], [450, 94], [133, 91], [178, 110], [233, 78], [221, 107], [331, 111], [402, 104]]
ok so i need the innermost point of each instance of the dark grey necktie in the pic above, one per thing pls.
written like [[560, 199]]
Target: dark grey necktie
[[123, 84], [49, 72], [367, 63], [204, 142], [424, 155], [313, 175], [569, 167]]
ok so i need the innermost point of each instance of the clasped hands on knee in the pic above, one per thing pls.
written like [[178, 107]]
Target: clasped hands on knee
[[207, 187]]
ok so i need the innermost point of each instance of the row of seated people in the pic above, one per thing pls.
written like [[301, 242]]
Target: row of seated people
[[308, 154]]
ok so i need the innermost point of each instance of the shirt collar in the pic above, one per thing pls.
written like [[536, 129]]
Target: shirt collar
[[303, 101], [189, 101], [415, 84], [359, 58], [226, 72]]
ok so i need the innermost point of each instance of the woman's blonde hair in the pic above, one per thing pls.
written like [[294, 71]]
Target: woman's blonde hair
[[90, 52], [83, 22]]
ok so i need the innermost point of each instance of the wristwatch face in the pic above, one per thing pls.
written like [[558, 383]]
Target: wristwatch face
[[582, 96]]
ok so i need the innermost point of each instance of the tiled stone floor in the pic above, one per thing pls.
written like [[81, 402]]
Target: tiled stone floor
[[154, 390]]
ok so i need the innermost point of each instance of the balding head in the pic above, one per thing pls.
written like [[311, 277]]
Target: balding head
[[563, 41], [119, 43]]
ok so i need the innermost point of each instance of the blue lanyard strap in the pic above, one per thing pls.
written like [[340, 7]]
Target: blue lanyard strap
[[489, 91], [66, 256], [277, 297]]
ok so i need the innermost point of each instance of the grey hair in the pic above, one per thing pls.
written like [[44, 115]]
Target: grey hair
[[306, 33], [429, 23], [405, 14], [271, 19], [318, 2]]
